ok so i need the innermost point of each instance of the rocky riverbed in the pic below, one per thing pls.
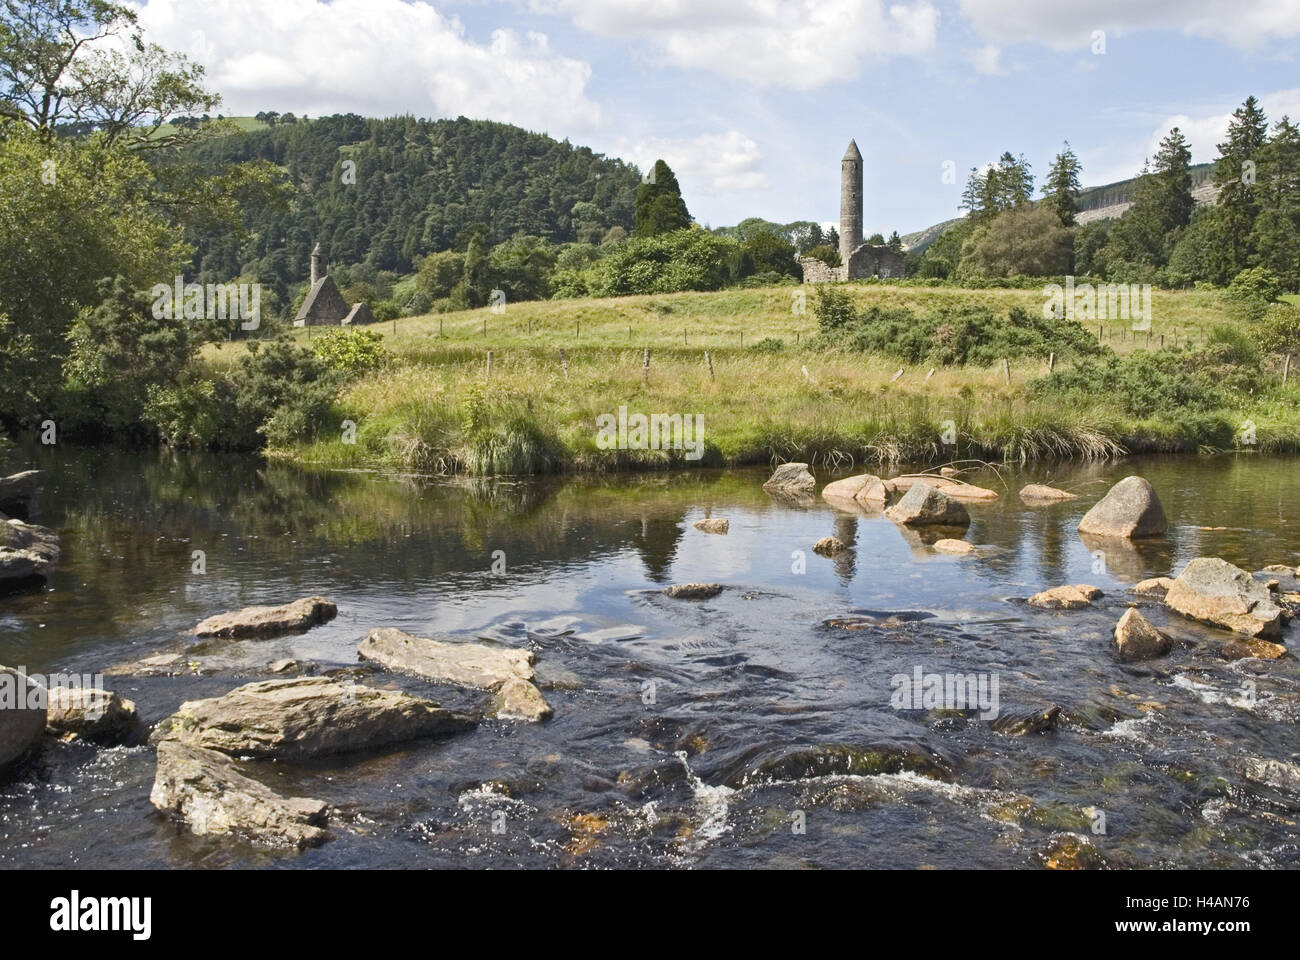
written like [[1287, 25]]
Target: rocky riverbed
[[581, 674]]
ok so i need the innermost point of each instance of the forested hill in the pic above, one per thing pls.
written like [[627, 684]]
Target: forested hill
[[419, 185]]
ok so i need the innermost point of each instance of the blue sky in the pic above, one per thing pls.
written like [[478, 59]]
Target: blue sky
[[753, 101]]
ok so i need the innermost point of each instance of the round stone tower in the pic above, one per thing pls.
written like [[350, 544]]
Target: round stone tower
[[850, 202], [317, 267]]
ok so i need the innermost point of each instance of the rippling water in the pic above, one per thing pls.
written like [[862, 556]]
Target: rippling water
[[690, 734]]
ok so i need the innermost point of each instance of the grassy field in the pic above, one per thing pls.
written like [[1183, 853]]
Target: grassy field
[[435, 407]]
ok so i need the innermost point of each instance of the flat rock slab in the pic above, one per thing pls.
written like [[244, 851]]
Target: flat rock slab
[[306, 717], [1074, 597], [88, 713], [26, 550], [1036, 494], [1254, 648], [1136, 639], [22, 716], [712, 525], [924, 505], [791, 479], [955, 547], [1278, 774], [957, 489], [1214, 591], [1130, 510], [464, 664], [300, 615], [207, 790], [693, 591]]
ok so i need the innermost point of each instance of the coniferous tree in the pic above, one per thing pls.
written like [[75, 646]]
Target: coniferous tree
[[659, 205], [1061, 191], [1275, 234], [1238, 199]]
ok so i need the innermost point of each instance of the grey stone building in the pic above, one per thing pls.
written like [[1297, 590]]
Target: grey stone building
[[857, 259], [324, 304]]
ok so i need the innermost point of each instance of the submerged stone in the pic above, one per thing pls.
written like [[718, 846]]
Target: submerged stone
[[301, 614]]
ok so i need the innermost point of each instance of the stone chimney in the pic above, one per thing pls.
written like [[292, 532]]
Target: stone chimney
[[317, 269], [850, 202]]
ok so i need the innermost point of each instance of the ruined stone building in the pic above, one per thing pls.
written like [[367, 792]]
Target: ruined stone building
[[857, 259], [324, 304]]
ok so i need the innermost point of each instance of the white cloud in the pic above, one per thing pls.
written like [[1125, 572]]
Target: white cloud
[[1206, 129], [987, 60], [1068, 24], [372, 57], [711, 163], [800, 44]]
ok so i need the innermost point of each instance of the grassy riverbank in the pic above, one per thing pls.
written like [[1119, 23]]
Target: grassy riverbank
[[433, 407]]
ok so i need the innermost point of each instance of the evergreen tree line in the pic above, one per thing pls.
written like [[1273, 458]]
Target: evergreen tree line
[[1164, 237]]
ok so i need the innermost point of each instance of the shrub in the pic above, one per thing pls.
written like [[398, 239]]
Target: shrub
[[1251, 291], [350, 351]]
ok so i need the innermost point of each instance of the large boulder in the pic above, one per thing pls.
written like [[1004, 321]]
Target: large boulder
[[18, 494], [26, 550], [302, 614], [829, 546], [693, 591], [89, 713], [22, 716], [208, 791], [1130, 509], [848, 488], [518, 699], [1136, 639], [791, 479], [1214, 591], [923, 505], [306, 717]]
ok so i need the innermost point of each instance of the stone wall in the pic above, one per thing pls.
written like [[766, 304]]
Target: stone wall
[[869, 260], [865, 261], [817, 271]]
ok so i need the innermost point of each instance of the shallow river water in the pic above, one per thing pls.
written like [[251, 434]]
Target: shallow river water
[[731, 732]]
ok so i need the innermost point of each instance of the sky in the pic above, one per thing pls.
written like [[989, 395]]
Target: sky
[[752, 102]]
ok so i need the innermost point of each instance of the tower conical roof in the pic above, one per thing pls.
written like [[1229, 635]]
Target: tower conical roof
[[852, 152]]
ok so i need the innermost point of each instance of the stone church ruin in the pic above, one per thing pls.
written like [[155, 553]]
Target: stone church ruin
[[857, 259]]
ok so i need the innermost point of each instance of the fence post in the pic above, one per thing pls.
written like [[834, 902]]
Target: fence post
[[1051, 361], [1286, 369], [489, 366], [708, 360], [645, 366], [929, 375], [564, 363], [897, 375]]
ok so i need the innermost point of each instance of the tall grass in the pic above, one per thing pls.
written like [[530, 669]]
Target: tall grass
[[434, 409]]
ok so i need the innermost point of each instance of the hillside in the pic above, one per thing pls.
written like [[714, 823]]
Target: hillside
[[412, 187], [765, 380]]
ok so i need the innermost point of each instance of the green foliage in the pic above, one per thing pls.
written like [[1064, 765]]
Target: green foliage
[[1061, 191], [659, 205], [826, 254], [770, 254], [1251, 292], [350, 351], [769, 345], [277, 393], [690, 259], [949, 336], [1024, 241], [119, 351], [522, 267], [71, 214], [1279, 329]]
